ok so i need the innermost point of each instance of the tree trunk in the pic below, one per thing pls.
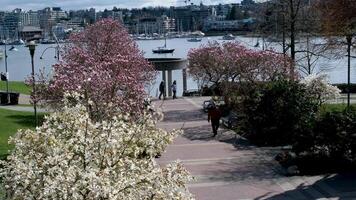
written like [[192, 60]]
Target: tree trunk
[[309, 57], [292, 30], [349, 43]]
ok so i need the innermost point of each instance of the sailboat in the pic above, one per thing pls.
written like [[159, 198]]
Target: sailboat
[[164, 49], [196, 36], [228, 37], [13, 48], [257, 44], [17, 42]]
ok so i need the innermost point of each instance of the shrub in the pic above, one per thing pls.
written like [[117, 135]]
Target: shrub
[[333, 136], [274, 113], [328, 147], [319, 87], [73, 157]]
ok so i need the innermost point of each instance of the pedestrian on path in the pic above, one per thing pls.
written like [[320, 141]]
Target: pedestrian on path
[[214, 115], [174, 89], [161, 90]]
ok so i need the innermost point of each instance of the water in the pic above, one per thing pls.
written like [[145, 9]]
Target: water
[[19, 62]]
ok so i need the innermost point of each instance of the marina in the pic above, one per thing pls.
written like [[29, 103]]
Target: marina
[[19, 59]]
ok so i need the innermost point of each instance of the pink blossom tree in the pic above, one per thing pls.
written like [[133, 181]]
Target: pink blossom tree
[[233, 63], [105, 64]]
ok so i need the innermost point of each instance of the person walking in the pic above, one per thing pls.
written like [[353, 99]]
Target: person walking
[[174, 89], [161, 90], [214, 115]]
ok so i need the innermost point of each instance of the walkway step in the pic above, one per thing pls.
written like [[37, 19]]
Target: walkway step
[[228, 169]]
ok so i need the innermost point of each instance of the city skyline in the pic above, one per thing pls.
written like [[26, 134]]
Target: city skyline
[[9, 5]]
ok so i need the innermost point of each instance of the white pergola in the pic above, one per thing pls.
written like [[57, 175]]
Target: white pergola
[[166, 66]]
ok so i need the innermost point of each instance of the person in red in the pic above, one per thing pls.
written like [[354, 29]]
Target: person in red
[[214, 115]]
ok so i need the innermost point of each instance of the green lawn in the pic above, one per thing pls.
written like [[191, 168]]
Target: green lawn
[[335, 107], [16, 86], [10, 122]]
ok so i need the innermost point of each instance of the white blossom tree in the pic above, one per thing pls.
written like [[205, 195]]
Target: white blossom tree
[[319, 87], [72, 157]]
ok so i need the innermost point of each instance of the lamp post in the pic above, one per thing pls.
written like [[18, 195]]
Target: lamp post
[[56, 53], [32, 47], [7, 77]]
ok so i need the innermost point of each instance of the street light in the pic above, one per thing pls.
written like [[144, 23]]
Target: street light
[[51, 47], [7, 77], [32, 47]]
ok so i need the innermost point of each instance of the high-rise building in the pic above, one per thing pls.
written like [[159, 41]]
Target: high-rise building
[[183, 16], [114, 14], [92, 15], [10, 24], [191, 18], [247, 2], [223, 10], [48, 17], [33, 18], [168, 24], [24, 18]]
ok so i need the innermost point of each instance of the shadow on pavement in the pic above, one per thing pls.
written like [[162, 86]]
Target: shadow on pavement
[[204, 133], [330, 186], [250, 164], [183, 116], [246, 169]]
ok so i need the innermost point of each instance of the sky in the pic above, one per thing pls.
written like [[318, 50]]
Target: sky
[[98, 4]]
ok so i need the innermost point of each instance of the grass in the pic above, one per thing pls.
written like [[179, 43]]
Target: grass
[[16, 86], [24, 105], [10, 122], [335, 107]]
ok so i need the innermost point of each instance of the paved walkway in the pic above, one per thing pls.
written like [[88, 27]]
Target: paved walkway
[[228, 169], [24, 102]]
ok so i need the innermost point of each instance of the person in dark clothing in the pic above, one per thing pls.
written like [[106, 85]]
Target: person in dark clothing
[[161, 90], [214, 115], [3, 76], [174, 89]]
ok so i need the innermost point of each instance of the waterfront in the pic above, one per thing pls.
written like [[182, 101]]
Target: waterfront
[[19, 61]]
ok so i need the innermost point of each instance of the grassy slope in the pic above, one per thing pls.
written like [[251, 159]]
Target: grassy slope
[[10, 122], [15, 86]]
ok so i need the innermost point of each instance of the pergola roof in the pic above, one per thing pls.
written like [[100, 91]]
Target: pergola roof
[[162, 64]]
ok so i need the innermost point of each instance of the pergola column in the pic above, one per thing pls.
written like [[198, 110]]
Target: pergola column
[[169, 83], [165, 82], [184, 71], [168, 65]]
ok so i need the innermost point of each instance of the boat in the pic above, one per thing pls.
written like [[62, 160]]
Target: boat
[[17, 42], [48, 42], [228, 37], [196, 36], [13, 48], [164, 49], [257, 44], [194, 39], [1, 53]]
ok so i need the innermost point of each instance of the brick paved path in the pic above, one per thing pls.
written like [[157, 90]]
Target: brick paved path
[[228, 169]]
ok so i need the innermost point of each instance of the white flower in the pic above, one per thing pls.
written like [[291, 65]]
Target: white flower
[[71, 157], [319, 87]]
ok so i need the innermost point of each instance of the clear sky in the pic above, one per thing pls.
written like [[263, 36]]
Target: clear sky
[[98, 4]]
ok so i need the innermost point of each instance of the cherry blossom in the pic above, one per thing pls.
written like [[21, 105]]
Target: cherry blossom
[[105, 65]]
